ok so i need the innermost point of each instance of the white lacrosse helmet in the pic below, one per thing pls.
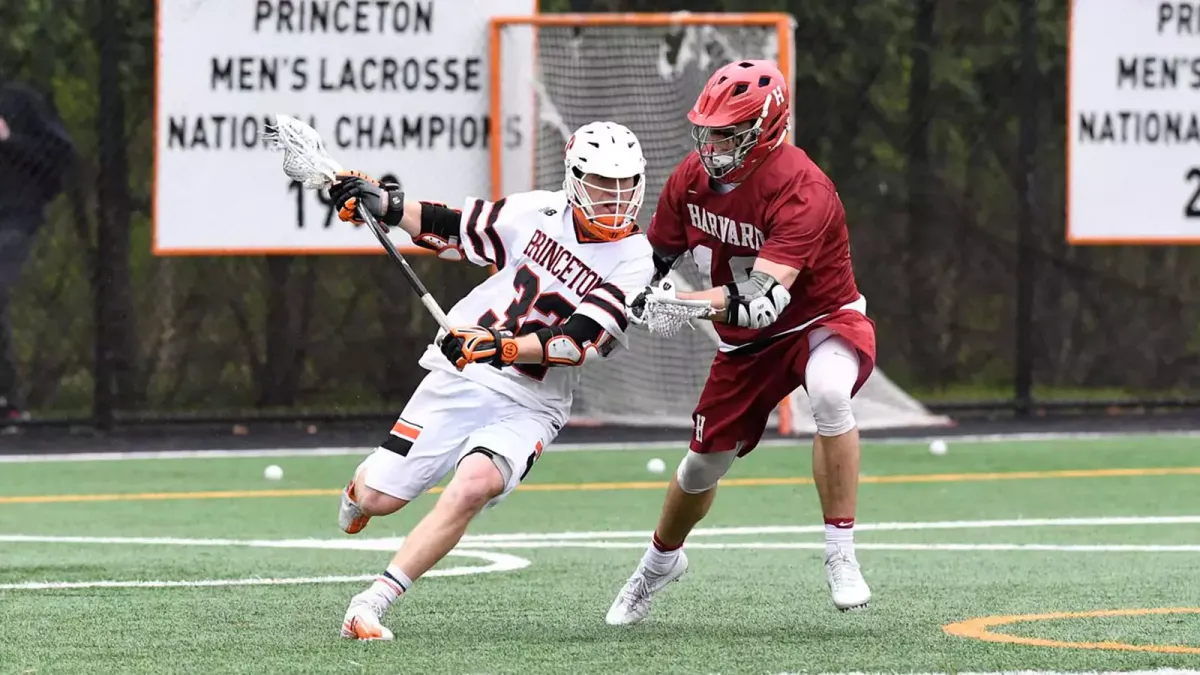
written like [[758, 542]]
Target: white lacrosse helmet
[[605, 210]]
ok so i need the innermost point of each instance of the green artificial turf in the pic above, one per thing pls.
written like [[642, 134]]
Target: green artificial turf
[[740, 609]]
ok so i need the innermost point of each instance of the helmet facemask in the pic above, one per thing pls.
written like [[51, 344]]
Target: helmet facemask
[[608, 207], [723, 149]]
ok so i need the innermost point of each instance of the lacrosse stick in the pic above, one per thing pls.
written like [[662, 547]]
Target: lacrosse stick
[[306, 161], [664, 313], [665, 316]]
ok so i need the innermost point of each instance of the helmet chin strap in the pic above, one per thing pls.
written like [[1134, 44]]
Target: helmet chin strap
[[585, 226], [594, 230], [722, 187]]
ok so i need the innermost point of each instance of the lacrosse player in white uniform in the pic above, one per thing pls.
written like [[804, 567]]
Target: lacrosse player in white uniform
[[499, 387]]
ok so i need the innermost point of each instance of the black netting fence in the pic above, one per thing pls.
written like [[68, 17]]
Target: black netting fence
[[942, 122]]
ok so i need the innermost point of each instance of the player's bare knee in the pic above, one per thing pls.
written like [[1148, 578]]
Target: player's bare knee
[[831, 410], [477, 480], [700, 472], [375, 503]]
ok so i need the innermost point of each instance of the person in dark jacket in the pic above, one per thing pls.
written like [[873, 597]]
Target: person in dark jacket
[[35, 152]]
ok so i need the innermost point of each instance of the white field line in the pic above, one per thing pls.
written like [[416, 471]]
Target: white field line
[[564, 539], [820, 546], [199, 583], [858, 527], [497, 562], [469, 548], [680, 446], [328, 544]]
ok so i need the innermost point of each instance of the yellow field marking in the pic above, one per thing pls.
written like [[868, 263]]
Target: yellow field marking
[[979, 629], [623, 485]]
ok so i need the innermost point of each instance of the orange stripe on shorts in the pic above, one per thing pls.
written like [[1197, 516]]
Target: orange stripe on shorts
[[406, 430]]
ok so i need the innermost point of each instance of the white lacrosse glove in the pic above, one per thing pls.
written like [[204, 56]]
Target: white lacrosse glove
[[635, 309], [660, 310]]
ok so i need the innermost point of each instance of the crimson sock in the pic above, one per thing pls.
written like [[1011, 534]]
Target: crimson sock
[[661, 547]]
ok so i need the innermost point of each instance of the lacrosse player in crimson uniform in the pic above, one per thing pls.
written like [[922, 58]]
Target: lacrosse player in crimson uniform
[[768, 233], [500, 387]]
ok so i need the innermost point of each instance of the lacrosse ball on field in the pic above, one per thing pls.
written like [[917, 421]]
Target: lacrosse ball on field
[[273, 472], [937, 447], [656, 465]]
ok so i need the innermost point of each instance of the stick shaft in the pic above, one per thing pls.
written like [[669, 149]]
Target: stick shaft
[[409, 275]]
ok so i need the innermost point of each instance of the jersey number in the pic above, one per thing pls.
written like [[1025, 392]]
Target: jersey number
[[302, 196], [1192, 208], [739, 266], [529, 298]]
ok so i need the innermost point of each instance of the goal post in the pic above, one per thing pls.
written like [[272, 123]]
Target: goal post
[[552, 73], [541, 67]]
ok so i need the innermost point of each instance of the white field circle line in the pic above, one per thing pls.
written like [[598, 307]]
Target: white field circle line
[[503, 562], [497, 562]]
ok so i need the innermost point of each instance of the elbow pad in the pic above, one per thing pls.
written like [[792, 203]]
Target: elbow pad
[[567, 344], [439, 230], [756, 302]]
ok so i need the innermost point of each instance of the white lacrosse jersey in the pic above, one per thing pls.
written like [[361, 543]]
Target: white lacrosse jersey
[[545, 273]]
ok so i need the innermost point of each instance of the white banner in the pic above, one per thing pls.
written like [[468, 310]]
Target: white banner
[[397, 88], [1133, 149]]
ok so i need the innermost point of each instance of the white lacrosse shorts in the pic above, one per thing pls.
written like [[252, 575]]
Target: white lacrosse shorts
[[447, 417]]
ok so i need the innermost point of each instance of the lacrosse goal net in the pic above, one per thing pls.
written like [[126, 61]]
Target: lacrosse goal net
[[552, 73]]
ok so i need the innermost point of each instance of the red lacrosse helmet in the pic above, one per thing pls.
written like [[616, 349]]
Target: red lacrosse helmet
[[739, 118]]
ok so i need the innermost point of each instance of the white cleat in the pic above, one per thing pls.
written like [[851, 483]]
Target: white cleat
[[362, 620], [633, 602], [350, 517], [846, 583]]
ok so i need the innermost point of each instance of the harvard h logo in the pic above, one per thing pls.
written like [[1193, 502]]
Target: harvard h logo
[[699, 428]]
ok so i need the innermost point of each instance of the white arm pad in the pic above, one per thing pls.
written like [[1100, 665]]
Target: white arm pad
[[568, 343], [757, 302]]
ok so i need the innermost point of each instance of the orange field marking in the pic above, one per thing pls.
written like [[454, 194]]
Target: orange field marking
[[980, 629], [623, 485]]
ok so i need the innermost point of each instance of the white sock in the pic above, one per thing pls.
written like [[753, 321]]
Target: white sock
[[657, 561], [839, 534], [391, 584]]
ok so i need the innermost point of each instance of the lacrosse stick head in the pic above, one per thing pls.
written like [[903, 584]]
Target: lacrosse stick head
[[665, 316], [305, 159]]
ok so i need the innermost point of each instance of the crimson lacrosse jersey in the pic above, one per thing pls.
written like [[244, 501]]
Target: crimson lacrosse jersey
[[787, 211], [545, 273]]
